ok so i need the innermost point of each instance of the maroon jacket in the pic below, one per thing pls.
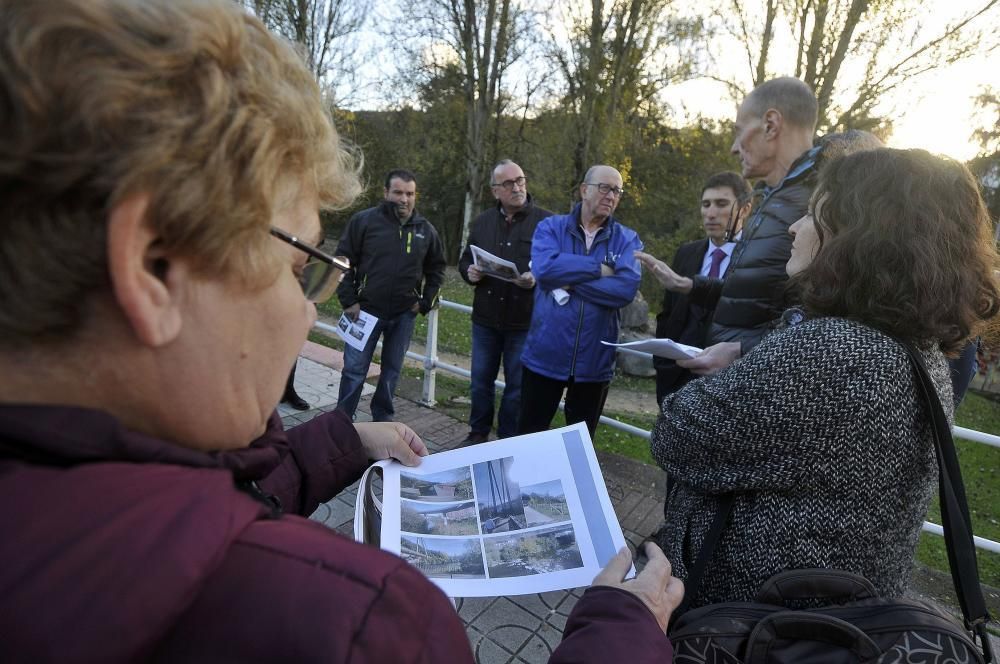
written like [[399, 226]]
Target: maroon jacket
[[120, 547]]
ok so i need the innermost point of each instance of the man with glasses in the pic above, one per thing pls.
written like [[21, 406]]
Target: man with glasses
[[586, 270], [501, 310], [398, 263]]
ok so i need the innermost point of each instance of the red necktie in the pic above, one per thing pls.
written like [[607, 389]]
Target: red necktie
[[717, 256]]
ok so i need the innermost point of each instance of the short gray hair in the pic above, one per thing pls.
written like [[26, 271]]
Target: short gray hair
[[789, 96]]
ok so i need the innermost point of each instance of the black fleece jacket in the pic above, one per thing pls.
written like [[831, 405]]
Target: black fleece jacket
[[394, 263]]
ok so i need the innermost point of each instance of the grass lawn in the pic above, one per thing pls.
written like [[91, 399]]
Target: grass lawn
[[980, 463]]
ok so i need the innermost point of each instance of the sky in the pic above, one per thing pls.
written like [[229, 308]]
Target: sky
[[935, 111]]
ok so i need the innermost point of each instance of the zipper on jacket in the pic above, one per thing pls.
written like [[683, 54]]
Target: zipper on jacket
[[579, 321]]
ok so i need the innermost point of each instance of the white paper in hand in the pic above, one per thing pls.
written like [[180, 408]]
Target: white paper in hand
[[667, 348], [356, 333]]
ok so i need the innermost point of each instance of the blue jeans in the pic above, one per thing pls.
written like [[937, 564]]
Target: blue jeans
[[395, 333], [488, 345]]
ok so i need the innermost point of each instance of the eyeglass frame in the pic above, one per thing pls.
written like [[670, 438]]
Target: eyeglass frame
[[520, 181], [340, 263], [605, 189]]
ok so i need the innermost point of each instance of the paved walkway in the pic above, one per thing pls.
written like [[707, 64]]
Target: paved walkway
[[524, 628]]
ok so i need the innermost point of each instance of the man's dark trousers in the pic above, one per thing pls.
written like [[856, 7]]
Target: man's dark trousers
[[488, 345], [680, 320], [584, 402], [395, 333]]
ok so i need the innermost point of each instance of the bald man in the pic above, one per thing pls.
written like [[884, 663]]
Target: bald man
[[585, 267]]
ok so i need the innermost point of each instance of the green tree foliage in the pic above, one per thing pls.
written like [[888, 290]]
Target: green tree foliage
[[987, 164]]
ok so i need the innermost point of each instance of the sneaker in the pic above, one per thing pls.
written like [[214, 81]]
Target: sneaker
[[475, 437]]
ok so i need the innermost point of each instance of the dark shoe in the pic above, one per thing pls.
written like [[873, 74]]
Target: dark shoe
[[295, 401], [474, 438]]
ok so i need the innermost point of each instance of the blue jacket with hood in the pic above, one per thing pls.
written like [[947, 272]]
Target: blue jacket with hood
[[565, 340]]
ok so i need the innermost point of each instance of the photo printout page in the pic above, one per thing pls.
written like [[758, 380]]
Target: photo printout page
[[528, 514]]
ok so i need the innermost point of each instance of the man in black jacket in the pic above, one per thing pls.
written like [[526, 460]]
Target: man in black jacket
[[774, 138], [501, 310], [725, 203], [398, 263]]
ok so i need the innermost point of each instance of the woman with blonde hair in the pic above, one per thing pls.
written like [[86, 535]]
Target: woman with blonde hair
[[162, 165]]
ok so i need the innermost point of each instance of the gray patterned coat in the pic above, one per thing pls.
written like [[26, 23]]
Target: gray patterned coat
[[821, 434]]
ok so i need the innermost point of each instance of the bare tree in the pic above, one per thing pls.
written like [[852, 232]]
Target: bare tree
[[325, 31], [480, 40], [619, 56], [888, 42]]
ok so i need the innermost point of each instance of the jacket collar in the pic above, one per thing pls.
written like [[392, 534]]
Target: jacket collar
[[386, 208], [520, 214], [801, 168], [576, 219], [68, 436]]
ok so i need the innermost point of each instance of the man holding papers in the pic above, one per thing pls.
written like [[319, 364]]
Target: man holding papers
[[398, 263], [501, 309]]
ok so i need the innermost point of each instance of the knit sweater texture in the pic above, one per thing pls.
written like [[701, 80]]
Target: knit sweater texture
[[820, 433]]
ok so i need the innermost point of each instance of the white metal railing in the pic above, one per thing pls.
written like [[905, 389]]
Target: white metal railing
[[432, 364]]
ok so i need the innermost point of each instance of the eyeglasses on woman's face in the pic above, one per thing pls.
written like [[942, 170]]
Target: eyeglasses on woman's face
[[322, 272]]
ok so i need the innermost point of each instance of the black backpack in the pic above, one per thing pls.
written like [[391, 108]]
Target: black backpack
[[851, 623]]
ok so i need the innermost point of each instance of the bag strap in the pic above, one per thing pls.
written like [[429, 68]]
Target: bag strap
[[954, 510], [693, 579]]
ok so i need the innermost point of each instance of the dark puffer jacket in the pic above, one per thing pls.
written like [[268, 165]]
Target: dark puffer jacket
[[499, 304], [752, 294], [395, 265]]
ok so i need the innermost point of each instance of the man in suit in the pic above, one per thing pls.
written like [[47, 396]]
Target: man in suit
[[725, 202]]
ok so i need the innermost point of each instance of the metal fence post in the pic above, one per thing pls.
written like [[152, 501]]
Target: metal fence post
[[430, 358]]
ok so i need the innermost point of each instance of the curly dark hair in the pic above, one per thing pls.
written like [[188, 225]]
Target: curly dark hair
[[905, 247]]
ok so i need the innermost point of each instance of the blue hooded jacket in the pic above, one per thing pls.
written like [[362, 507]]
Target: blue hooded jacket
[[565, 340]]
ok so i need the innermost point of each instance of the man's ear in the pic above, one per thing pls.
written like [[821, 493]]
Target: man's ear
[[773, 123], [145, 282], [744, 211]]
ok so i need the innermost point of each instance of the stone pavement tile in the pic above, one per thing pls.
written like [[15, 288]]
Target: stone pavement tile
[[470, 607], [534, 605], [566, 606], [552, 599], [536, 650], [340, 512], [504, 613], [486, 651], [510, 637], [322, 513], [558, 622]]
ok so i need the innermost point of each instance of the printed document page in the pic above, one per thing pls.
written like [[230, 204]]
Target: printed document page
[[356, 333], [522, 515], [493, 266], [661, 348]]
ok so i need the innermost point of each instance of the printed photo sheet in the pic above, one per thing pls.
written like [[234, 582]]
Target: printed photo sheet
[[522, 515], [356, 333], [493, 266]]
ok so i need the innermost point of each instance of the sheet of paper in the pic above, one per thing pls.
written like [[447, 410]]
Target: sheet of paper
[[522, 515], [661, 348], [356, 333], [493, 266]]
